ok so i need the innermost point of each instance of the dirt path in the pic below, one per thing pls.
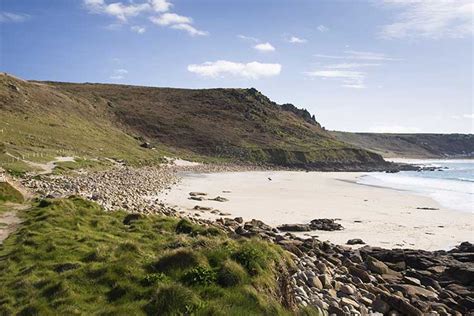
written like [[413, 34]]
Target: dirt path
[[46, 168], [9, 220]]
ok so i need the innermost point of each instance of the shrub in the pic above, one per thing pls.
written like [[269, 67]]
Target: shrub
[[178, 260], [173, 299], [230, 274], [200, 276], [250, 257], [153, 278], [186, 227]]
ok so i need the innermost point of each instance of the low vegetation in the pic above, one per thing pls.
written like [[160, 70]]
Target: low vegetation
[[9, 193], [69, 257]]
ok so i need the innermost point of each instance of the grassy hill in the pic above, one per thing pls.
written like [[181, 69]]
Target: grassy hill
[[42, 119], [412, 145]]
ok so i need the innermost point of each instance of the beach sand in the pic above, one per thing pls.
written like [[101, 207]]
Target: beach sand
[[379, 216]]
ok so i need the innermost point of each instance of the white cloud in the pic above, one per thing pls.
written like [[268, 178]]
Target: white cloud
[[430, 19], [248, 38], [221, 68], [117, 9], [463, 116], [349, 72], [171, 18], [322, 28], [190, 29], [138, 29], [118, 74], [297, 40], [178, 22], [468, 116], [359, 55], [6, 17], [160, 5], [398, 129], [349, 78], [351, 65], [264, 47]]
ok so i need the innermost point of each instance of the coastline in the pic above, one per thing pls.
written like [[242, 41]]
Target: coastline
[[384, 217]]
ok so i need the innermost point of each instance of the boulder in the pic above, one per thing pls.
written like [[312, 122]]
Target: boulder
[[294, 228], [325, 224], [401, 305], [355, 241], [377, 266]]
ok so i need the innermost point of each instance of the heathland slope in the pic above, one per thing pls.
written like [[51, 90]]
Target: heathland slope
[[412, 145], [105, 120]]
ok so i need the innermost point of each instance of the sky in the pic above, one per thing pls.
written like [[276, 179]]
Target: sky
[[358, 65]]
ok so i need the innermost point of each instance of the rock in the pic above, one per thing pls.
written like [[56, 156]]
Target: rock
[[202, 208], [146, 145], [130, 218], [315, 282], [219, 199], [345, 301], [197, 194], [360, 273], [334, 310], [401, 305], [377, 266], [413, 290], [197, 198], [239, 220], [380, 306], [411, 280], [294, 227], [325, 224], [347, 289], [355, 241], [325, 280]]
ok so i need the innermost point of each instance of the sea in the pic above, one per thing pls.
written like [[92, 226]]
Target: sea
[[452, 185]]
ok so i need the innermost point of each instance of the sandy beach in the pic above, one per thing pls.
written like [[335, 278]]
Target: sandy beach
[[379, 216]]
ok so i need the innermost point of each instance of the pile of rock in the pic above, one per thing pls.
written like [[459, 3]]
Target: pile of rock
[[340, 280], [126, 188]]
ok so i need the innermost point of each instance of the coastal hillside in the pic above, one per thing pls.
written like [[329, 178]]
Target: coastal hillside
[[142, 124], [412, 145]]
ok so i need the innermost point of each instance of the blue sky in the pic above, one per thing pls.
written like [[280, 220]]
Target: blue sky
[[368, 65]]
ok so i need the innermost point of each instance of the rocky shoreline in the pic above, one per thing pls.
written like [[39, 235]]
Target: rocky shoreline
[[335, 279]]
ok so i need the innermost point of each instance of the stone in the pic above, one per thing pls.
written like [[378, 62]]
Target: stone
[[345, 301], [315, 282], [401, 305], [377, 266], [197, 194], [239, 220], [413, 290], [130, 218], [347, 289], [294, 227], [380, 306], [355, 241], [360, 273], [219, 199], [325, 224], [411, 280]]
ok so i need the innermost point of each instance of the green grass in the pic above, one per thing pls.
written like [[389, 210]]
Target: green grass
[[9, 193], [69, 257]]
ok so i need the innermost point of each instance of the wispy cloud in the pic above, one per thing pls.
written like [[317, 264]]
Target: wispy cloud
[[248, 38], [178, 22], [264, 47], [430, 19], [9, 17], [138, 29], [190, 29], [222, 68], [463, 116], [297, 40], [322, 28], [123, 12], [360, 55], [171, 18], [350, 78], [118, 74], [350, 70]]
